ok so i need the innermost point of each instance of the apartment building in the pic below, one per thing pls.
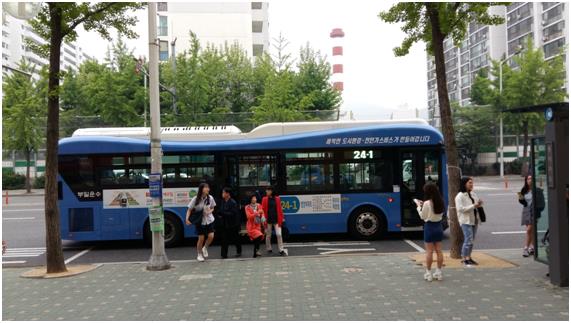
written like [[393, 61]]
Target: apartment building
[[15, 32], [545, 22], [216, 23]]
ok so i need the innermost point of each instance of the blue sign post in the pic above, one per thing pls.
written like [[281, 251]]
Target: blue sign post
[[156, 218]]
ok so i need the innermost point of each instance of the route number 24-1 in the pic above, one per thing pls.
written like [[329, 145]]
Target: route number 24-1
[[363, 154]]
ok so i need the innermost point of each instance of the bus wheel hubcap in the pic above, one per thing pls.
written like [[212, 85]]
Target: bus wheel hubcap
[[367, 223], [169, 230]]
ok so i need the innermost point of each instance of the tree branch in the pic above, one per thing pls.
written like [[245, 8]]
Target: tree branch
[[87, 16]]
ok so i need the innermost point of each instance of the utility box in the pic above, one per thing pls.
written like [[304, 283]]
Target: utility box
[[550, 170]]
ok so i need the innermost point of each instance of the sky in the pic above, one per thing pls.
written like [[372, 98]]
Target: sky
[[377, 84]]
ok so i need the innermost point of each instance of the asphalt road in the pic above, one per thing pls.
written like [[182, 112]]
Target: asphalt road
[[24, 230]]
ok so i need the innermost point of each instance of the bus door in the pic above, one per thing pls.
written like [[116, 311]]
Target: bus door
[[251, 174], [417, 167]]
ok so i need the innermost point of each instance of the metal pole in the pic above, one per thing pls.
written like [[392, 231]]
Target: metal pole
[[158, 260], [501, 128], [146, 94], [174, 76]]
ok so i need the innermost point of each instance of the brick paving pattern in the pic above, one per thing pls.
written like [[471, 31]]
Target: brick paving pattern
[[379, 287]]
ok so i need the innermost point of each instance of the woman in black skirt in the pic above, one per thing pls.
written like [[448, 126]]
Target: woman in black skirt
[[431, 211]]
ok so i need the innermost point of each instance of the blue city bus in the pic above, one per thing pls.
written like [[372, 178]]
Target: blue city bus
[[360, 179]]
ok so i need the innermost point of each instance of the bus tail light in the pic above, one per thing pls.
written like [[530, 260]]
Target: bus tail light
[[391, 200]]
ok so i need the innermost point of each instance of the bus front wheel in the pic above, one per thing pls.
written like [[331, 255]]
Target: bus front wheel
[[173, 234], [366, 223]]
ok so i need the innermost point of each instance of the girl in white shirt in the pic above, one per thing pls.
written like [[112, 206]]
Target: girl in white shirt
[[467, 204], [204, 202], [431, 211]]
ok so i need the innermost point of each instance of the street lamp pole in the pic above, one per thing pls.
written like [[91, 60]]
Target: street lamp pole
[[501, 126], [158, 260]]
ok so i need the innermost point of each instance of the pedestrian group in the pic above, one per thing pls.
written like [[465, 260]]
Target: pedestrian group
[[261, 219]]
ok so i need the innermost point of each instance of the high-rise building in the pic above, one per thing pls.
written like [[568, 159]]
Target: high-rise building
[[15, 32], [216, 23], [545, 22]]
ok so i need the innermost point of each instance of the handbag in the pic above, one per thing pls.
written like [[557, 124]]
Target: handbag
[[482, 214], [196, 216]]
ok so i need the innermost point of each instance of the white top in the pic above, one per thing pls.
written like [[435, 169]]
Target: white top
[[465, 208], [207, 216], [427, 213]]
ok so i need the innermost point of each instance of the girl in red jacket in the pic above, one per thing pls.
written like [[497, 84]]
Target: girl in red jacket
[[275, 217], [255, 216]]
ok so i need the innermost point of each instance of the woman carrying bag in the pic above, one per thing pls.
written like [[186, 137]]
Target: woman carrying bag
[[255, 216], [199, 213]]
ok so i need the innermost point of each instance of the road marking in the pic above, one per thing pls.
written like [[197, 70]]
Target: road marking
[[79, 254], [508, 232], [325, 244], [331, 251], [13, 262], [414, 245], [23, 210], [28, 218]]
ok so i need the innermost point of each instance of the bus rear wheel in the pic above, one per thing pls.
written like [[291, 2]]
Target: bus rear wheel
[[366, 224], [173, 234]]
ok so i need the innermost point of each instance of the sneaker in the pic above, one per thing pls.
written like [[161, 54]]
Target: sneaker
[[258, 253], [437, 275], [428, 276], [269, 250], [200, 258], [284, 253], [205, 252], [466, 263], [525, 252], [531, 251], [473, 262]]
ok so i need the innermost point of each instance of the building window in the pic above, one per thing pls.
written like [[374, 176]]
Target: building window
[[513, 6], [479, 36], [5, 57], [519, 14], [553, 15], [466, 93], [4, 45], [257, 50], [520, 29], [257, 26], [256, 5], [163, 50], [517, 44], [553, 48], [478, 50], [5, 33], [163, 26], [162, 6], [553, 31], [547, 5]]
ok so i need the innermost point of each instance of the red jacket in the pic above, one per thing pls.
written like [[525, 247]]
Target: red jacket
[[279, 206]]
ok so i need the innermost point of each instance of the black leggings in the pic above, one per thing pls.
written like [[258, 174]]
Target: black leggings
[[257, 242]]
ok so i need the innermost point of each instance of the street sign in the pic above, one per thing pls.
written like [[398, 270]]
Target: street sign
[[156, 218], [155, 185]]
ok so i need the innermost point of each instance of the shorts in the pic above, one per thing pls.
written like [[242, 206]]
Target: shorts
[[433, 232], [203, 230]]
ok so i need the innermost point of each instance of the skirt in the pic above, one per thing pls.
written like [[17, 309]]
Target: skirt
[[433, 232], [527, 216]]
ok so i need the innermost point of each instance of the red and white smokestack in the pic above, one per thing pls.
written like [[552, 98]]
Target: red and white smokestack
[[337, 36]]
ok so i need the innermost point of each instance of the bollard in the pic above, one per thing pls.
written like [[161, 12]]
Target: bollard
[[506, 182]]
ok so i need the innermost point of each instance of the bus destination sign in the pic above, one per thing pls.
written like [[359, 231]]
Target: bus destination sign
[[377, 140]]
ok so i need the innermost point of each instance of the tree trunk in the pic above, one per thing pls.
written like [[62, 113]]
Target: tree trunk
[[54, 252], [447, 129], [28, 185]]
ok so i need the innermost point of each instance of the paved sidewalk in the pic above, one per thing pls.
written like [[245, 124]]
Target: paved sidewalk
[[379, 287]]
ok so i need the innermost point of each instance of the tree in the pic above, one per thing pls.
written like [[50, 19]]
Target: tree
[[432, 23], [55, 22], [473, 124], [22, 110], [535, 81]]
